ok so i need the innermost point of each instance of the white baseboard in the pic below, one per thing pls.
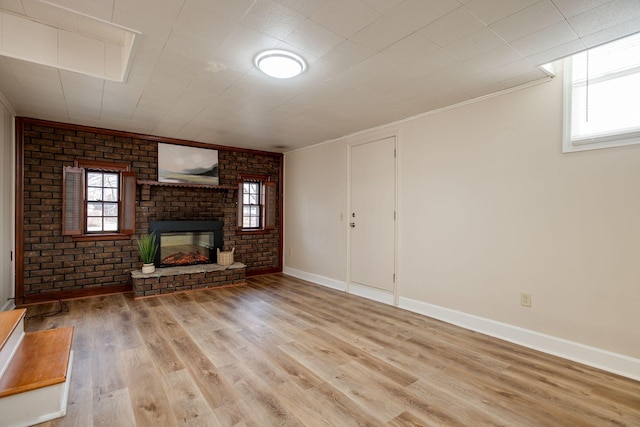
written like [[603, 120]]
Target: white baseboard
[[371, 293], [315, 278], [591, 356], [8, 306]]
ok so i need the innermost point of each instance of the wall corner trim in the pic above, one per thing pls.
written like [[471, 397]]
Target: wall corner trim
[[315, 278], [592, 356]]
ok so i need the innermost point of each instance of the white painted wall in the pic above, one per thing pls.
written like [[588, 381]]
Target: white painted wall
[[315, 199], [7, 205], [488, 207]]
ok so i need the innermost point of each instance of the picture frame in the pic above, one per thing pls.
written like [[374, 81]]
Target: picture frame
[[187, 164]]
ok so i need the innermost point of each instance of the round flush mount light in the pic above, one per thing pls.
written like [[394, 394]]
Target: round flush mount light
[[280, 64]]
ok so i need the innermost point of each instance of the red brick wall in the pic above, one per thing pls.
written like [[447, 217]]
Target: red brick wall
[[56, 263]]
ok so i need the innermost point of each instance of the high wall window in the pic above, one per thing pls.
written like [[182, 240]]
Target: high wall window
[[602, 96], [98, 200], [256, 203]]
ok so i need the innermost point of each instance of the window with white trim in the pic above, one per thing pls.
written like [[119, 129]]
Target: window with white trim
[[256, 203], [98, 200], [602, 96], [102, 201]]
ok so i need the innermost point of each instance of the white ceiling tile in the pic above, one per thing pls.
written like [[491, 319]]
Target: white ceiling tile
[[47, 101], [204, 23], [382, 6], [410, 91], [435, 61], [12, 6], [36, 77], [416, 14], [534, 18], [155, 31], [304, 7], [618, 31], [543, 40], [410, 48], [113, 122], [230, 9], [240, 48], [161, 92], [176, 70], [571, 8], [490, 11], [347, 54], [494, 58], [102, 9], [479, 85], [272, 18], [313, 38], [381, 34], [557, 52], [171, 123], [192, 46], [451, 27], [452, 74], [69, 79], [605, 16], [161, 12], [476, 43], [517, 68], [219, 76], [345, 17]]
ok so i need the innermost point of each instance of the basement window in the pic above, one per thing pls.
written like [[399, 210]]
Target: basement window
[[256, 203], [601, 102], [98, 200]]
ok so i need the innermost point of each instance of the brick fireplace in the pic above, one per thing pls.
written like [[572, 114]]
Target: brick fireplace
[[50, 265]]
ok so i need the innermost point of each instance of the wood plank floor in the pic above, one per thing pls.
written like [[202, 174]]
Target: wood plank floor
[[280, 351]]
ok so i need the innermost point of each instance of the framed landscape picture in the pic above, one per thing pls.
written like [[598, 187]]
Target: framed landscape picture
[[182, 163]]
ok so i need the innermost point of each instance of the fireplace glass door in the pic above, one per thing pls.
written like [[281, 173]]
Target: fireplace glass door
[[186, 248]]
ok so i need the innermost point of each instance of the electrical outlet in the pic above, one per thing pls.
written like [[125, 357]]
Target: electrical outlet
[[525, 299]]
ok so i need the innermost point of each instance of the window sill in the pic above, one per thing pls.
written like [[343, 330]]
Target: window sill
[[98, 237], [252, 231], [599, 143]]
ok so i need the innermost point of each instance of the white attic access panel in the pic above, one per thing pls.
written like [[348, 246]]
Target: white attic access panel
[[57, 37]]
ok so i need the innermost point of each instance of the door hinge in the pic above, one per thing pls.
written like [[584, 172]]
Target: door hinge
[[394, 215], [394, 277], [394, 153]]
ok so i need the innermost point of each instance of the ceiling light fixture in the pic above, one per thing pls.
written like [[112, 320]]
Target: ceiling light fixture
[[280, 64]]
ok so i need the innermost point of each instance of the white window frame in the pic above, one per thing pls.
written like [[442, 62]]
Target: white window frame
[[614, 139]]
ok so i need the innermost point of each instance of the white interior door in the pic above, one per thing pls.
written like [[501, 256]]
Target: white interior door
[[372, 216]]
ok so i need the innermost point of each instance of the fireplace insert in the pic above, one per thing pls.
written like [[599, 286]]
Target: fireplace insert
[[187, 242]]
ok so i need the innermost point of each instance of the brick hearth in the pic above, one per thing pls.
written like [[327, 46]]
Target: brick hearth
[[175, 279]]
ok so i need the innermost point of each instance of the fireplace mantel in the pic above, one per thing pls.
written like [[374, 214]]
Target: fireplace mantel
[[146, 185]]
